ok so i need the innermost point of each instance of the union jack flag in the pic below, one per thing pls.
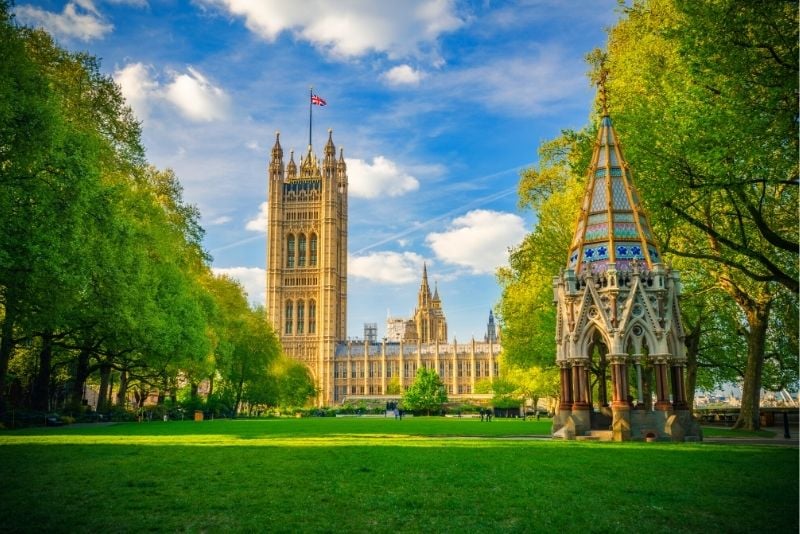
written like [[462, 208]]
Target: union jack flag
[[318, 100]]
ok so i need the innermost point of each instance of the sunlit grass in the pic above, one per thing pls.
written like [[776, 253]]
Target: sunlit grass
[[358, 475]]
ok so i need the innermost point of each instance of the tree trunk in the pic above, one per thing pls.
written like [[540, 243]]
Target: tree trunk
[[193, 391], [122, 392], [7, 343], [210, 386], [757, 320], [79, 380], [692, 342], [102, 395], [40, 397]]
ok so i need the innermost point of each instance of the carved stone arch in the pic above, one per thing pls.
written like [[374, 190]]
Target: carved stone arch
[[640, 335], [586, 338]]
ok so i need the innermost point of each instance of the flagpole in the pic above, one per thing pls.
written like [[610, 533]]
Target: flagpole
[[310, 107]]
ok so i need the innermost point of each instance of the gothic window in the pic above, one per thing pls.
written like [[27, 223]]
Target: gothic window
[[312, 255], [301, 308], [301, 250], [290, 251], [312, 317], [352, 369], [288, 316]]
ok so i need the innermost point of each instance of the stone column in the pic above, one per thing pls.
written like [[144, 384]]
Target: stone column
[[620, 406], [678, 387], [662, 384], [639, 382], [580, 406], [565, 401]]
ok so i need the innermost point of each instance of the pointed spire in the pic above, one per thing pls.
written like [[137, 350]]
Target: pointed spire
[[291, 168], [436, 291], [277, 151], [330, 149], [342, 166], [612, 227]]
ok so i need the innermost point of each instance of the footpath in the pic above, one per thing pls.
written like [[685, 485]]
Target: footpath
[[777, 440]]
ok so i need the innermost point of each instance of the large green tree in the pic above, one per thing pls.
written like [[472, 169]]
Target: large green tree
[[427, 393], [709, 91]]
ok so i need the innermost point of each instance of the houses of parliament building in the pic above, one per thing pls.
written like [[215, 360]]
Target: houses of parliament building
[[307, 294]]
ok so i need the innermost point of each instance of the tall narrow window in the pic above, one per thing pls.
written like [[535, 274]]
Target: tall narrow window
[[288, 318], [312, 317], [290, 251], [301, 250], [301, 308], [312, 256]]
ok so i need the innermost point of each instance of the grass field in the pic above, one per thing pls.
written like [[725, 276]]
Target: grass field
[[382, 475]]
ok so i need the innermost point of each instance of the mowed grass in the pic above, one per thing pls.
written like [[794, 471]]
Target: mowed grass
[[382, 475]]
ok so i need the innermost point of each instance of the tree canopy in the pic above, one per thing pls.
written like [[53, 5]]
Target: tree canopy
[[103, 278]]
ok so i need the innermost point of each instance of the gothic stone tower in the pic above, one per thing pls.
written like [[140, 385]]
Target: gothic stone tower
[[618, 314], [307, 257], [428, 324]]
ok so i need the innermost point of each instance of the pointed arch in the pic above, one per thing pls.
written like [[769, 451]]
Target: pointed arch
[[288, 316], [301, 250], [312, 250], [290, 251], [301, 311]]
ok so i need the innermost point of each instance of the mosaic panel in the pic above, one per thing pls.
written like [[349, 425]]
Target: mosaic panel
[[613, 153], [592, 253], [631, 251], [596, 231], [601, 156], [620, 198], [599, 196], [598, 218], [625, 230], [623, 217], [654, 255], [573, 259]]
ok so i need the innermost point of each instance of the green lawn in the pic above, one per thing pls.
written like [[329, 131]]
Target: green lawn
[[357, 475]]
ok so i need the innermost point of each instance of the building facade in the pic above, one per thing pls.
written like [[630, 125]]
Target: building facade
[[307, 294], [307, 256]]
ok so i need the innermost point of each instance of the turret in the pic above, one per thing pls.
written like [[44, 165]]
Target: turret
[[276, 163]]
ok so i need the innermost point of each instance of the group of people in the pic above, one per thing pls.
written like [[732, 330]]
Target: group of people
[[486, 414]]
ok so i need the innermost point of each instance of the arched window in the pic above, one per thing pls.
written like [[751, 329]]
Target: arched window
[[312, 257], [312, 317], [288, 317], [300, 319], [301, 250], [290, 251]]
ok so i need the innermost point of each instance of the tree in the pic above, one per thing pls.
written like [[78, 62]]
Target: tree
[[427, 393], [718, 117]]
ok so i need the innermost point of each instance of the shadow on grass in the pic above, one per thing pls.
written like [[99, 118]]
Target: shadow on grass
[[313, 486]]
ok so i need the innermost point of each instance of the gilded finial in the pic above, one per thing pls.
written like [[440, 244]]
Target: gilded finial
[[602, 77]]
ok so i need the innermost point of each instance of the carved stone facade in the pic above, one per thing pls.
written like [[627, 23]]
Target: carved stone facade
[[307, 257], [429, 323], [618, 317]]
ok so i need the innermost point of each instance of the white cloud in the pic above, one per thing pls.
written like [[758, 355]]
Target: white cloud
[[403, 75], [196, 97], [381, 177], [79, 20], [387, 267], [191, 93], [138, 87], [349, 28], [223, 219], [253, 279], [259, 224], [479, 240]]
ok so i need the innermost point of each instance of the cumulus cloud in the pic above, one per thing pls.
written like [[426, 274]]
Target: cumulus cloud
[[253, 279], [194, 96], [386, 267], [382, 177], [138, 87], [259, 223], [79, 19], [479, 240], [403, 75], [349, 28]]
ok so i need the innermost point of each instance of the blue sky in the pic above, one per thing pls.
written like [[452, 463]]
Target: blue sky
[[437, 104]]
